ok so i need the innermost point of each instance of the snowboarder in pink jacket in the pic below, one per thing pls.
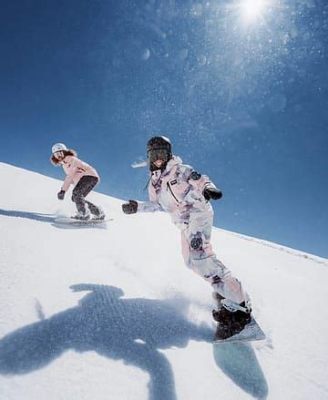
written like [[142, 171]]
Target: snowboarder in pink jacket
[[185, 194], [82, 176]]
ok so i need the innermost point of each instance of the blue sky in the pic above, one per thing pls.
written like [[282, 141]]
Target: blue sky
[[241, 92]]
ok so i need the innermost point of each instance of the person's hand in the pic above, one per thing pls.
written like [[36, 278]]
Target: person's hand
[[212, 193], [61, 195], [130, 208]]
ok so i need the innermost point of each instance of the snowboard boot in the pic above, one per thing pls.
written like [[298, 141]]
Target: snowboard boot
[[230, 320], [97, 212], [99, 217]]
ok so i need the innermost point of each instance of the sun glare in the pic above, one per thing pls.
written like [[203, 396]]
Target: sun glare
[[251, 10]]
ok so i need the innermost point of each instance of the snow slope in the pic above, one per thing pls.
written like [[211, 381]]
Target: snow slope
[[108, 313]]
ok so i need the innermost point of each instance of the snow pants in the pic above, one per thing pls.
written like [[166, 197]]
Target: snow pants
[[81, 190], [199, 256]]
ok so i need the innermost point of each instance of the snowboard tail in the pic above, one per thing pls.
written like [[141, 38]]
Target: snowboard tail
[[251, 332]]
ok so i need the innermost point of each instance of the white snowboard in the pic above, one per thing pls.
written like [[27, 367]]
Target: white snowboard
[[79, 222]]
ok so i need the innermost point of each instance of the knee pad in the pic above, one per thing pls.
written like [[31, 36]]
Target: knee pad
[[196, 242]]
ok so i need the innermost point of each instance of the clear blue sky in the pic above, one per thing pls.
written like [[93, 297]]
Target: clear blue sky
[[242, 92]]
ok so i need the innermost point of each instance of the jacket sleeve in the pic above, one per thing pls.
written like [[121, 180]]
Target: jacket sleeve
[[149, 206], [75, 169], [67, 182], [152, 205], [197, 183]]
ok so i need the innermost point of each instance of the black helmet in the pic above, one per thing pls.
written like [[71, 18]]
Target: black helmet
[[158, 147]]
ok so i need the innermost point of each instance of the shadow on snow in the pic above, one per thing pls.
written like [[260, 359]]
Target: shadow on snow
[[50, 218], [238, 361], [28, 215], [132, 330]]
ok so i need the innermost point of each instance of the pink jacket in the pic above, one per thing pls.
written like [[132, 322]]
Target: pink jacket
[[177, 190], [75, 169]]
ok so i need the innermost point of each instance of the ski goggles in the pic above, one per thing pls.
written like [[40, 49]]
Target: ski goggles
[[158, 154]]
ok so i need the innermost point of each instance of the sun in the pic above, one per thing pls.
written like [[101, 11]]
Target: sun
[[252, 10]]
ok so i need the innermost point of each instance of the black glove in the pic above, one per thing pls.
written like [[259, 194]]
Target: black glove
[[212, 193], [131, 207], [61, 195]]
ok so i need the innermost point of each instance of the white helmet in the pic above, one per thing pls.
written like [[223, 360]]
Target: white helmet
[[58, 147]]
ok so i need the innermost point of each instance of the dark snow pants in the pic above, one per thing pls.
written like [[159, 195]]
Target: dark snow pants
[[81, 190]]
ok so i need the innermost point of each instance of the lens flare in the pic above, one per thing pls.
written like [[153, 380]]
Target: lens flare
[[251, 10]]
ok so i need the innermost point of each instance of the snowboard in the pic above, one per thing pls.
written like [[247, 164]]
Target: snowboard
[[79, 222], [251, 332]]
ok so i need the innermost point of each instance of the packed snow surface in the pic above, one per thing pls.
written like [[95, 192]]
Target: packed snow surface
[[111, 312]]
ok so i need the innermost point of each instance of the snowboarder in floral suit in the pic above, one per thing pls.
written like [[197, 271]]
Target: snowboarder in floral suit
[[185, 194]]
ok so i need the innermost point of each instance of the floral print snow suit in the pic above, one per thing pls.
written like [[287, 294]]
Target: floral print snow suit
[[178, 190]]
